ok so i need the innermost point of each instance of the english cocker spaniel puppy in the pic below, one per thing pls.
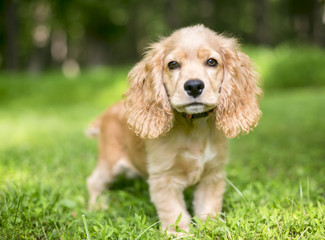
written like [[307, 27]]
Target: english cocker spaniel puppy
[[189, 93]]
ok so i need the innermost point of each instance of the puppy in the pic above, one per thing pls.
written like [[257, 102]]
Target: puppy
[[189, 93]]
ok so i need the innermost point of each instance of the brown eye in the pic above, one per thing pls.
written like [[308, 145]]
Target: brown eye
[[212, 62], [173, 65]]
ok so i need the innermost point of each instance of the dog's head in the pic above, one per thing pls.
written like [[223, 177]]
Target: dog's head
[[193, 71]]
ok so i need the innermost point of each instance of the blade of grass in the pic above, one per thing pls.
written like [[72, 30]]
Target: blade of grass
[[86, 227], [237, 190], [19, 203], [146, 230]]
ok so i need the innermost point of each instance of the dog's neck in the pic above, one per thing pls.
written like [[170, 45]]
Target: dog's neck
[[195, 128], [197, 115]]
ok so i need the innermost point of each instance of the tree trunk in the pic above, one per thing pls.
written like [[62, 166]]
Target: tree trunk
[[171, 15], [11, 48], [262, 30], [318, 27]]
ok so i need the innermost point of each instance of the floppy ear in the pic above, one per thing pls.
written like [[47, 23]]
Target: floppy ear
[[238, 110], [148, 110]]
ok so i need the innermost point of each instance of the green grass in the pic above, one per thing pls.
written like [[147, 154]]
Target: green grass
[[276, 186], [289, 67]]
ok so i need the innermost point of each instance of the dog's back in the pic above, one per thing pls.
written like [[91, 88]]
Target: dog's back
[[119, 150]]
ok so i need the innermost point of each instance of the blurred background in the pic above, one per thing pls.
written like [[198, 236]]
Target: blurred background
[[36, 35]]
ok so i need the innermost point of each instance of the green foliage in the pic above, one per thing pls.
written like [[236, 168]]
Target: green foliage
[[289, 67], [275, 176], [100, 86]]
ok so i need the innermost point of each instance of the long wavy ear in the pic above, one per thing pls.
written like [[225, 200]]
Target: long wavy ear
[[238, 110], [148, 110]]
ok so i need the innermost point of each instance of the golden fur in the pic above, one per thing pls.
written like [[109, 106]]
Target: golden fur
[[147, 133]]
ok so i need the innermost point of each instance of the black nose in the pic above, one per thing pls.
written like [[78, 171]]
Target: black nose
[[194, 87]]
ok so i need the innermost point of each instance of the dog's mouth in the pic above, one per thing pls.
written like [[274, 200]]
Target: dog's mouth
[[195, 108]]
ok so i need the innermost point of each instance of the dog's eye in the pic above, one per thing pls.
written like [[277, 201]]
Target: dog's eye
[[212, 62], [173, 65]]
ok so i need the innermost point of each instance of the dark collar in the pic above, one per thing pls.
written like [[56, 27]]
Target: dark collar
[[197, 115]]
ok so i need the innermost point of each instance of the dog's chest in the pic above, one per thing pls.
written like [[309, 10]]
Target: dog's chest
[[192, 160]]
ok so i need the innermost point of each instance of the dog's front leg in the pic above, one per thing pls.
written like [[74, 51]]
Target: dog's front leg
[[167, 194], [208, 195]]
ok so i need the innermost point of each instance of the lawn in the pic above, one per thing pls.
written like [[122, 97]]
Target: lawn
[[276, 174]]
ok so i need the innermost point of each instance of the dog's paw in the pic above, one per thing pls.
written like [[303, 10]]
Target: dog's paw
[[179, 233], [100, 204]]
